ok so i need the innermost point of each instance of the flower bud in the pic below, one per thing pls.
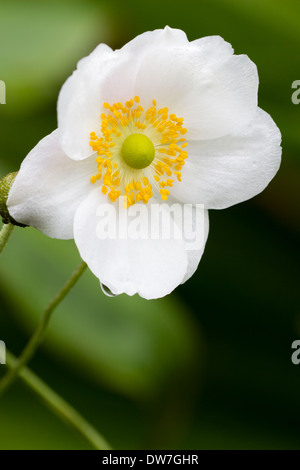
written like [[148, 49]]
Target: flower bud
[[5, 185]]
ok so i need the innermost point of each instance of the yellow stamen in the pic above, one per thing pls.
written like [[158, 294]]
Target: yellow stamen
[[136, 183]]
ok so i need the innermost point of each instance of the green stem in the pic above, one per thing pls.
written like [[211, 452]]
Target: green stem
[[5, 233], [39, 334], [59, 406]]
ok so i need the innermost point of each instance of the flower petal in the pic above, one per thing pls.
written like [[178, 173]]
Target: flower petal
[[104, 76], [158, 38], [48, 189], [232, 169], [151, 265], [81, 98], [214, 91], [193, 231]]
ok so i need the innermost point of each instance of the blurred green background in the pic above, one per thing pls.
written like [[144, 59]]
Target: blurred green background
[[208, 367]]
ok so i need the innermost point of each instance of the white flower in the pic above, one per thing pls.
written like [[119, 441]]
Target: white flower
[[161, 120]]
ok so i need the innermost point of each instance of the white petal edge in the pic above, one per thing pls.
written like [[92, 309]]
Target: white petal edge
[[222, 172], [149, 267], [195, 255], [158, 38], [49, 188]]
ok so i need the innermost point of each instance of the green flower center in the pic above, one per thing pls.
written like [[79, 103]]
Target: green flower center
[[138, 151]]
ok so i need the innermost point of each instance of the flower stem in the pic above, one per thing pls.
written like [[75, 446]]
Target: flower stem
[[59, 406], [5, 233], [39, 334]]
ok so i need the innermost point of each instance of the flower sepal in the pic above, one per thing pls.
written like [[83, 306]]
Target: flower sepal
[[5, 186]]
